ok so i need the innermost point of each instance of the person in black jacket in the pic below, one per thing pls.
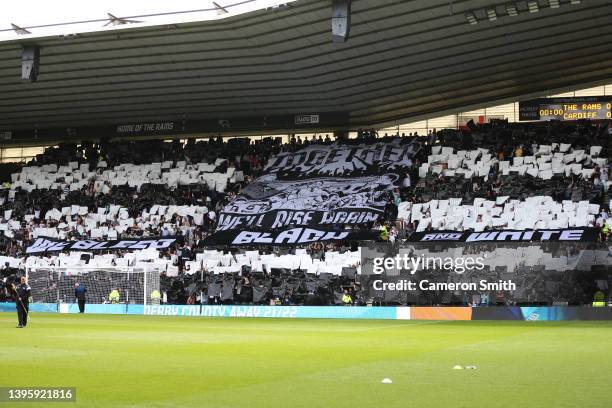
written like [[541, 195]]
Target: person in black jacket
[[80, 290], [22, 294]]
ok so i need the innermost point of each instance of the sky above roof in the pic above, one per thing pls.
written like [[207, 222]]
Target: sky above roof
[[28, 14]]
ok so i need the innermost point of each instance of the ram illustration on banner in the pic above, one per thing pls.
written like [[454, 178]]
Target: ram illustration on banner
[[271, 204], [320, 186]]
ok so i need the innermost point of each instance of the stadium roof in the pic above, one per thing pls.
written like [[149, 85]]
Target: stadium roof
[[404, 60]]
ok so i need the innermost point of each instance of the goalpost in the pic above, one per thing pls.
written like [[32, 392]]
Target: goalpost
[[56, 284]]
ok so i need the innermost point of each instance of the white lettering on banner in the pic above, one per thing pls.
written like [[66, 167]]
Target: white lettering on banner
[[528, 235], [514, 235], [332, 236], [545, 235], [286, 218], [385, 155], [485, 236], [123, 244], [442, 237], [85, 244], [290, 236], [100, 245], [570, 235], [311, 235], [352, 217], [42, 245], [142, 244], [587, 234], [153, 244], [248, 237], [227, 222]]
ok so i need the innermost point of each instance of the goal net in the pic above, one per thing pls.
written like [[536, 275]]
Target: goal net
[[104, 285]]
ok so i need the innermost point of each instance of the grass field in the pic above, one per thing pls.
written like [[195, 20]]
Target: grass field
[[146, 361]]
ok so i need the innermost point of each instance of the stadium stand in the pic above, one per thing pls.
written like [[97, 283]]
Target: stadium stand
[[496, 176]]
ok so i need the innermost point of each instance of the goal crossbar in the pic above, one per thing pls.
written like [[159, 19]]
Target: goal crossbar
[[136, 285]]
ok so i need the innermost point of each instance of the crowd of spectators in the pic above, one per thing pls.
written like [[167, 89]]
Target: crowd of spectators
[[504, 140], [507, 141]]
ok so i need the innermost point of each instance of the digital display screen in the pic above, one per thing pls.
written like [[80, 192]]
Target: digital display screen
[[592, 108]]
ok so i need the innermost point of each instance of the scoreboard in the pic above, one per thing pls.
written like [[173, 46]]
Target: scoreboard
[[591, 107]]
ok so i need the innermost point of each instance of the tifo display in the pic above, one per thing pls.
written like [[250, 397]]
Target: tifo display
[[270, 223]]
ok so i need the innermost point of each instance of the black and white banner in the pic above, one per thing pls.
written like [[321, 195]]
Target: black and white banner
[[320, 186], [570, 234], [272, 204], [291, 236], [342, 161], [42, 246]]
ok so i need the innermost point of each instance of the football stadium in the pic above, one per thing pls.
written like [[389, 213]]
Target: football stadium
[[307, 203]]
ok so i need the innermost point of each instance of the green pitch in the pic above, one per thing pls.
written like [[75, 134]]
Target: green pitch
[[145, 361]]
